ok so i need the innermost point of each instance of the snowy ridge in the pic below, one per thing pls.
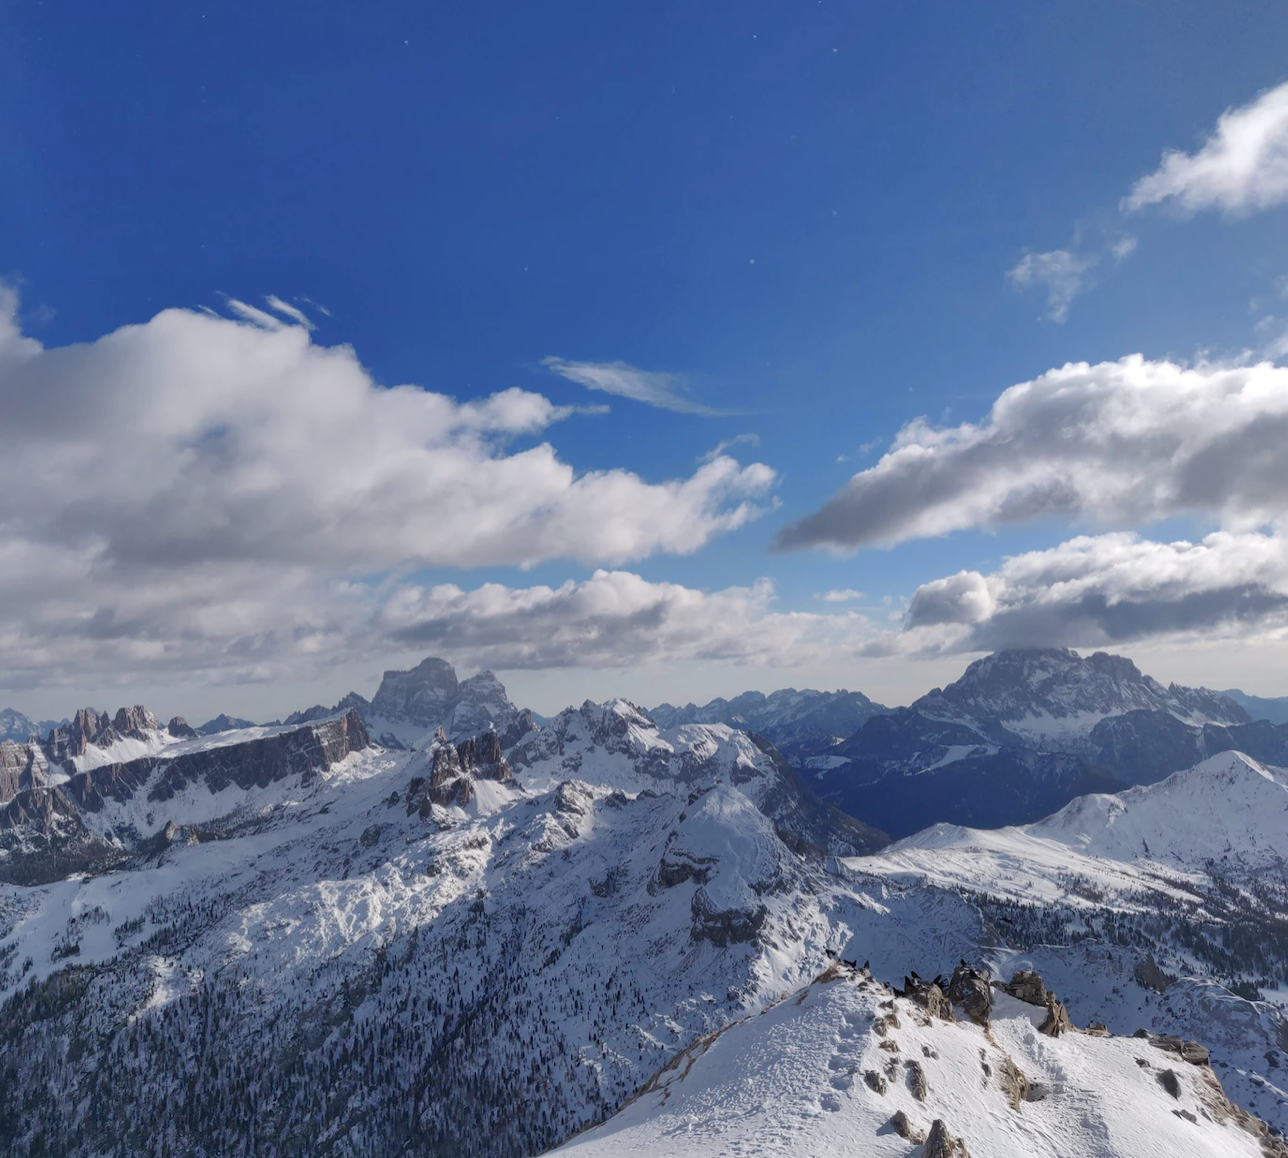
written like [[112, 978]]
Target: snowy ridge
[[787, 717], [1053, 693], [1227, 806], [826, 1071]]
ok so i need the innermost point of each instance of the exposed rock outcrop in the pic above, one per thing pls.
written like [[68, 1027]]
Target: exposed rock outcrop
[[941, 1144], [1149, 975], [43, 835], [900, 1124], [929, 995], [723, 927], [970, 989], [1025, 985], [1057, 1020]]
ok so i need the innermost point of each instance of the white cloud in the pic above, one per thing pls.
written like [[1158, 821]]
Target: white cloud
[[290, 311], [1060, 272], [1103, 590], [1123, 248], [200, 494], [727, 443], [1125, 442], [652, 387], [1241, 167], [614, 619], [840, 595]]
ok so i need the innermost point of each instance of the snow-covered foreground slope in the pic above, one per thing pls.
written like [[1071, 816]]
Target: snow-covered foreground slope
[[1140, 909], [825, 1072]]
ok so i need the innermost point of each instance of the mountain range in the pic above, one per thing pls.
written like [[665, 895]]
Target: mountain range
[[431, 924]]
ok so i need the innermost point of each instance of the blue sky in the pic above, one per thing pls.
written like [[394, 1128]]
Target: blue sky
[[805, 214]]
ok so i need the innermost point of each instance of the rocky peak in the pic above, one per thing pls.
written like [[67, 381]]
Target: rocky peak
[[425, 695], [134, 721], [180, 729], [1058, 683], [481, 702], [87, 727], [453, 770], [223, 723]]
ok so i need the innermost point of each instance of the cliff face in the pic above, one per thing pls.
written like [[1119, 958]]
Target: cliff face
[[48, 829]]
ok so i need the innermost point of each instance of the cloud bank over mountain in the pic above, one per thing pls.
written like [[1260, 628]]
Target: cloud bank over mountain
[[198, 491], [1108, 589]]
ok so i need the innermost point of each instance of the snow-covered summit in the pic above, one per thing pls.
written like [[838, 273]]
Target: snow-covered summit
[[1228, 806], [846, 1067], [1052, 693], [411, 705], [786, 717]]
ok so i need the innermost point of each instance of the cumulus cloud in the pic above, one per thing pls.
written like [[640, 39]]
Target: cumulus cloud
[[614, 619], [1241, 167], [652, 387], [1126, 442], [1106, 590], [1060, 272], [198, 491]]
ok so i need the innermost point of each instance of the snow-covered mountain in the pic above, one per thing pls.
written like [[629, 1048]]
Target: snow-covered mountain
[[295, 939], [223, 723], [410, 706], [847, 1066], [16, 726], [788, 718], [1048, 695], [1023, 732], [1272, 708], [462, 948]]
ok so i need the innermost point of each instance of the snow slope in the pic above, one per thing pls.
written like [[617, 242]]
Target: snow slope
[[1227, 806], [1189, 871], [794, 1081]]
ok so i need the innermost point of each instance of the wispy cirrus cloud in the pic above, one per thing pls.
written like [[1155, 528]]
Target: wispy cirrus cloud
[[659, 388], [1065, 273], [1242, 167]]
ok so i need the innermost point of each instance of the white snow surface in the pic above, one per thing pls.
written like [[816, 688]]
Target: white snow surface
[[1228, 805], [791, 1082], [313, 879]]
